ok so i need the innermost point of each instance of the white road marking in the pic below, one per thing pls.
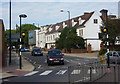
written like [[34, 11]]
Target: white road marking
[[76, 72], [46, 72], [66, 60], [34, 62], [39, 66], [45, 61], [31, 73], [61, 72], [93, 71]]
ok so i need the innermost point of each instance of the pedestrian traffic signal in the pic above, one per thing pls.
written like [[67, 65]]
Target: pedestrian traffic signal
[[23, 34]]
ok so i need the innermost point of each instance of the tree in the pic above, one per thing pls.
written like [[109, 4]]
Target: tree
[[69, 39], [113, 31], [26, 28], [60, 42], [6, 34], [74, 41]]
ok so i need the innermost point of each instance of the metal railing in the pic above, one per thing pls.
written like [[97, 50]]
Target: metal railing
[[87, 72]]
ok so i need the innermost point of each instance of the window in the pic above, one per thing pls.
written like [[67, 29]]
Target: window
[[53, 37], [81, 32], [47, 38], [95, 21]]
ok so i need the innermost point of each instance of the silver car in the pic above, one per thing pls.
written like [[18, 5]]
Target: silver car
[[114, 56]]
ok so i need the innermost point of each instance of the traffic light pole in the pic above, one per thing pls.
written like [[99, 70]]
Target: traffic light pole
[[20, 60], [108, 60]]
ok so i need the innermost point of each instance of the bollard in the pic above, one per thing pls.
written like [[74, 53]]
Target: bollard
[[102, 69], [69, 75], [115, 70], [90, 74]]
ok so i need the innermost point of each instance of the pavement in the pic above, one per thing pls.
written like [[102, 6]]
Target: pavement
[[13, 69]]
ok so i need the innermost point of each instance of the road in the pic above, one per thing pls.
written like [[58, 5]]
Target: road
[[54, 73]]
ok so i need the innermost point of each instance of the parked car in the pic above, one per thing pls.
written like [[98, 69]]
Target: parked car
[[36, 52], [114, 56], [27, 50], [55, 56], [22, 49]]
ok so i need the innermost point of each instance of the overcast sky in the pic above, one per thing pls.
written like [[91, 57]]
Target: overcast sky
[[48, 12]]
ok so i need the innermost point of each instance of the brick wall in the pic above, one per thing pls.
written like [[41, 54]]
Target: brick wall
[[78, 50], [3, 50]]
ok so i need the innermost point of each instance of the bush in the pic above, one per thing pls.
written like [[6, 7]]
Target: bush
[[102, 52]]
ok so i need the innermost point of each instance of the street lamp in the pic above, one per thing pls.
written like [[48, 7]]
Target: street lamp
[[21, 16], [68, 16], [10, 36]]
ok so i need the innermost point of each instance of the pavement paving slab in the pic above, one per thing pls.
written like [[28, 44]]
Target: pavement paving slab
[[13, 69]]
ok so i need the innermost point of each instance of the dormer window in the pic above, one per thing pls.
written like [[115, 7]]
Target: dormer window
[[73, 23], [50, 29], [64, 25], [57, 27], [79, 21], [95, 21]]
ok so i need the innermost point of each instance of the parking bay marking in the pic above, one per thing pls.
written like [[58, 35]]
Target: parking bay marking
[[46, 72], [61, 72], [31, 73]]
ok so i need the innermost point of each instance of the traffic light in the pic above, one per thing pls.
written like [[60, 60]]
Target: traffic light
[[23, 34], [104, 30]]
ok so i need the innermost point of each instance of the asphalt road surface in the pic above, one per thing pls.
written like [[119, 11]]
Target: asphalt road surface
[[52, 74]]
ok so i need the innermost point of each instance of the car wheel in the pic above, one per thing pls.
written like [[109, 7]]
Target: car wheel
[[48, 64], [63, 63]]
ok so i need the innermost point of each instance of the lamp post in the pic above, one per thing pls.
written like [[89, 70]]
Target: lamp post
[[10, 37], [20, 60], [68, 16]]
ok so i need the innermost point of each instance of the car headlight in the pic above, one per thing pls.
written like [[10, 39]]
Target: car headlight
[[35, 52], [61, 59], [50, 59]]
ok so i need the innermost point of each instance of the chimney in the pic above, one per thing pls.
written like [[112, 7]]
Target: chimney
[[104, 14]]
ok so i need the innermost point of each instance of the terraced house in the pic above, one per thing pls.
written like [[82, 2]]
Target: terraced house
[[88, 27]]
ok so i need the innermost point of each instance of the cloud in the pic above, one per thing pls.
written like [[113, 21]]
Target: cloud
[[43, 13], [0, 10], [61, 0]]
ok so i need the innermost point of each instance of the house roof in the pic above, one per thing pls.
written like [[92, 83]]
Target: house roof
[[84, 17]]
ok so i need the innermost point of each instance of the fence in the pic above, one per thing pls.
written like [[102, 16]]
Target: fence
[[87, 72]]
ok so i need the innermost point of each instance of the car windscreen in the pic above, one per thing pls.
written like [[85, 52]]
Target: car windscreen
[[55, 53], [37, 50]]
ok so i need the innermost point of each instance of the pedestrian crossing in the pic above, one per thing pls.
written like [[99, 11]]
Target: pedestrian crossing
[[31, 73], [61, 72], [46, 72]]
